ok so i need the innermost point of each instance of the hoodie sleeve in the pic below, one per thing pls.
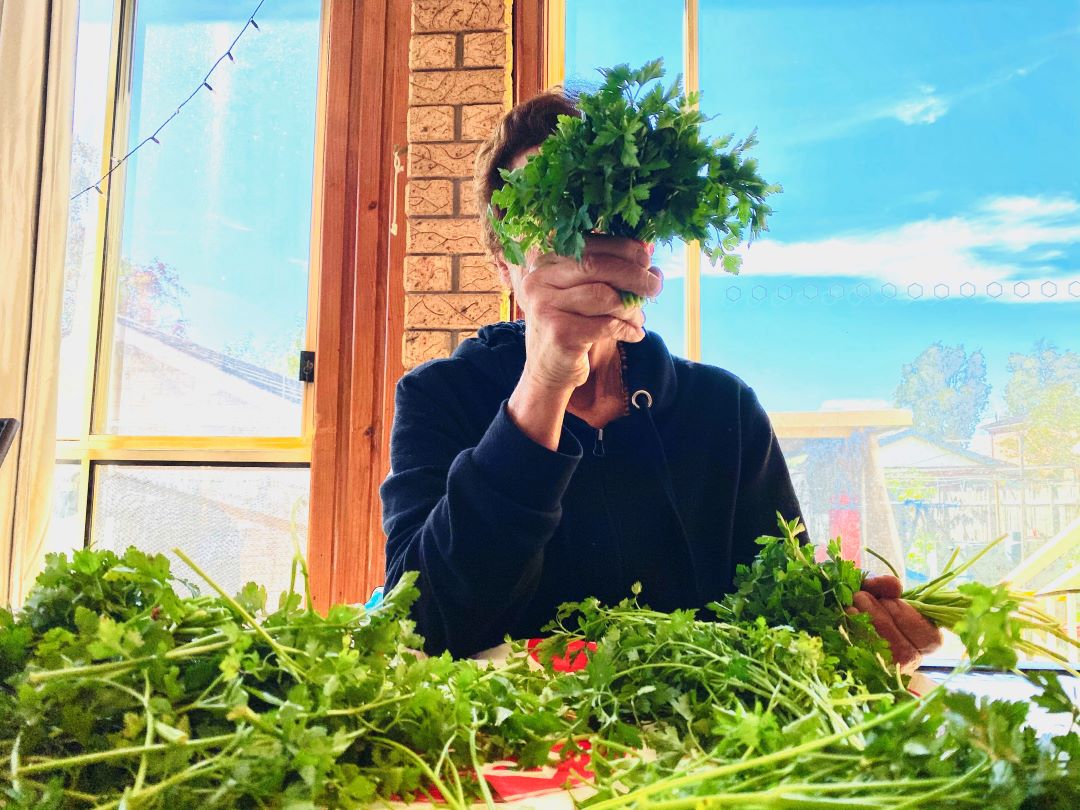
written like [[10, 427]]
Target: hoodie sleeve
[[471, 517], [765, 486]]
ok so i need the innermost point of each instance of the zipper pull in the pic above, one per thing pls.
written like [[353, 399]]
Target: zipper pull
[[598, 445]]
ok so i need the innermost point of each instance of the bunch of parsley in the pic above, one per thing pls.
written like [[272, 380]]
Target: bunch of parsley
[[119, 692], [682, 713], [787, 586], [635, 164]]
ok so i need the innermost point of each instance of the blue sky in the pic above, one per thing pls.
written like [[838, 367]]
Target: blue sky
[[928, 144]]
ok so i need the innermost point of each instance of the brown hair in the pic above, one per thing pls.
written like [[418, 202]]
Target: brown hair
[[525, 126]]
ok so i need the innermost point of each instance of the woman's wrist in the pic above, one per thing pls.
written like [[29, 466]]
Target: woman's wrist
[[538, 409]]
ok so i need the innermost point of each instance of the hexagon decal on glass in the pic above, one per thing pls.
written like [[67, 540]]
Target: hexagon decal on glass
[[993, 289], [941, 291], [760, 292], [1074, 289], [1022, 289], [967, 289], [810, 291], [836, 291], [784, 292], [1048, 289], [915, 290], [734, 293], [862, 290], [888, 289]]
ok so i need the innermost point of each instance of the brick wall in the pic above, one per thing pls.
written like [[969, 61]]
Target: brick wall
[[459, 85]]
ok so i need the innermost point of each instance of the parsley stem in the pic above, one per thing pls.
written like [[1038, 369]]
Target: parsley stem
[[119, 753], [185, 775], [367, 707], [116, 667], [757, 762], [947, 789], [485, 791], [280, 650], [148, 739], [424, 767]]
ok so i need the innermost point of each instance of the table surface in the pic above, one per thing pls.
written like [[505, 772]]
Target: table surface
[[1008, 686]]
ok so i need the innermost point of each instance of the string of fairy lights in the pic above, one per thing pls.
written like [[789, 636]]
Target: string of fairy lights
[[203, 85]]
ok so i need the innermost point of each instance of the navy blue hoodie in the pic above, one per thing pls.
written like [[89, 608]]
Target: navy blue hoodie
[[503, 530]]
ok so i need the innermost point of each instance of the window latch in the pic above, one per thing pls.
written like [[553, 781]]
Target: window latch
[[307, 367]]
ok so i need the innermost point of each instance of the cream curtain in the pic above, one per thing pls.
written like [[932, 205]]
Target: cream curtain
[[37, 64]]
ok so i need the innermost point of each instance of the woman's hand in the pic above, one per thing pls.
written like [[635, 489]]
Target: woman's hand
[[909, 633], [571, 305]]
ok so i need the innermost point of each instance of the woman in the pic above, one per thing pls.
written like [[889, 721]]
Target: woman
[[572, 455]]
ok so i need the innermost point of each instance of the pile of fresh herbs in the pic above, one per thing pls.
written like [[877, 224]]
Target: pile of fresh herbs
[[635, 164], [119, 692], [687, 714]]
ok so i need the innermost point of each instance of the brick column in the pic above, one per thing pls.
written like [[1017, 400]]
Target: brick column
[[459, 85]]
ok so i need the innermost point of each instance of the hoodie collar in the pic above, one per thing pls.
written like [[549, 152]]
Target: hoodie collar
[[498, 350]]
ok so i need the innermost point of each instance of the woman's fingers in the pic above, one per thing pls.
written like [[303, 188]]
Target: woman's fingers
[[922, 634], [916, 628], [589, 300], [570, 331], [883, 587], [903, 651], [629, 250], [614, 272]]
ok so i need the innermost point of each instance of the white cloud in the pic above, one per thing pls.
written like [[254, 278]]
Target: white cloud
[[925, 110], [1047, 255], [986, 247], [924, 107], [230, 223], [1032, 207]]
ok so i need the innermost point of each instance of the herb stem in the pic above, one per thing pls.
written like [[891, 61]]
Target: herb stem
[[757, 762], [119, 753]]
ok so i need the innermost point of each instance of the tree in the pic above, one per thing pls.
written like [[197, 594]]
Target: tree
[[152, 294], [1044, 389], [947, 391]]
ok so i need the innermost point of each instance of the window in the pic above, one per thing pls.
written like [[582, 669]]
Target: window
[[181, 419], [910, 319]]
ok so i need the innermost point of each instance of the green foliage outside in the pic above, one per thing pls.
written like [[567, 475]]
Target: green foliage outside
[[1044, 389], [947, 391]]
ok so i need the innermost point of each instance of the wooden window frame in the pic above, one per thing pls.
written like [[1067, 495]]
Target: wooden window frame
[[360, 252]]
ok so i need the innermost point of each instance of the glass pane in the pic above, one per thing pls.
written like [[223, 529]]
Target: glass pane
[[213, 266], [922, 261], [65, 529], [235, 522], [87, 140], [602, 34], [667, 314]]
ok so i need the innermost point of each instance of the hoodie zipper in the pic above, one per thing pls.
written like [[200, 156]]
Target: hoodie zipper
[[598, 444]]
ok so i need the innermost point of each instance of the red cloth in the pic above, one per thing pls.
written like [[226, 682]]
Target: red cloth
[[510, 782], [566, 663]]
